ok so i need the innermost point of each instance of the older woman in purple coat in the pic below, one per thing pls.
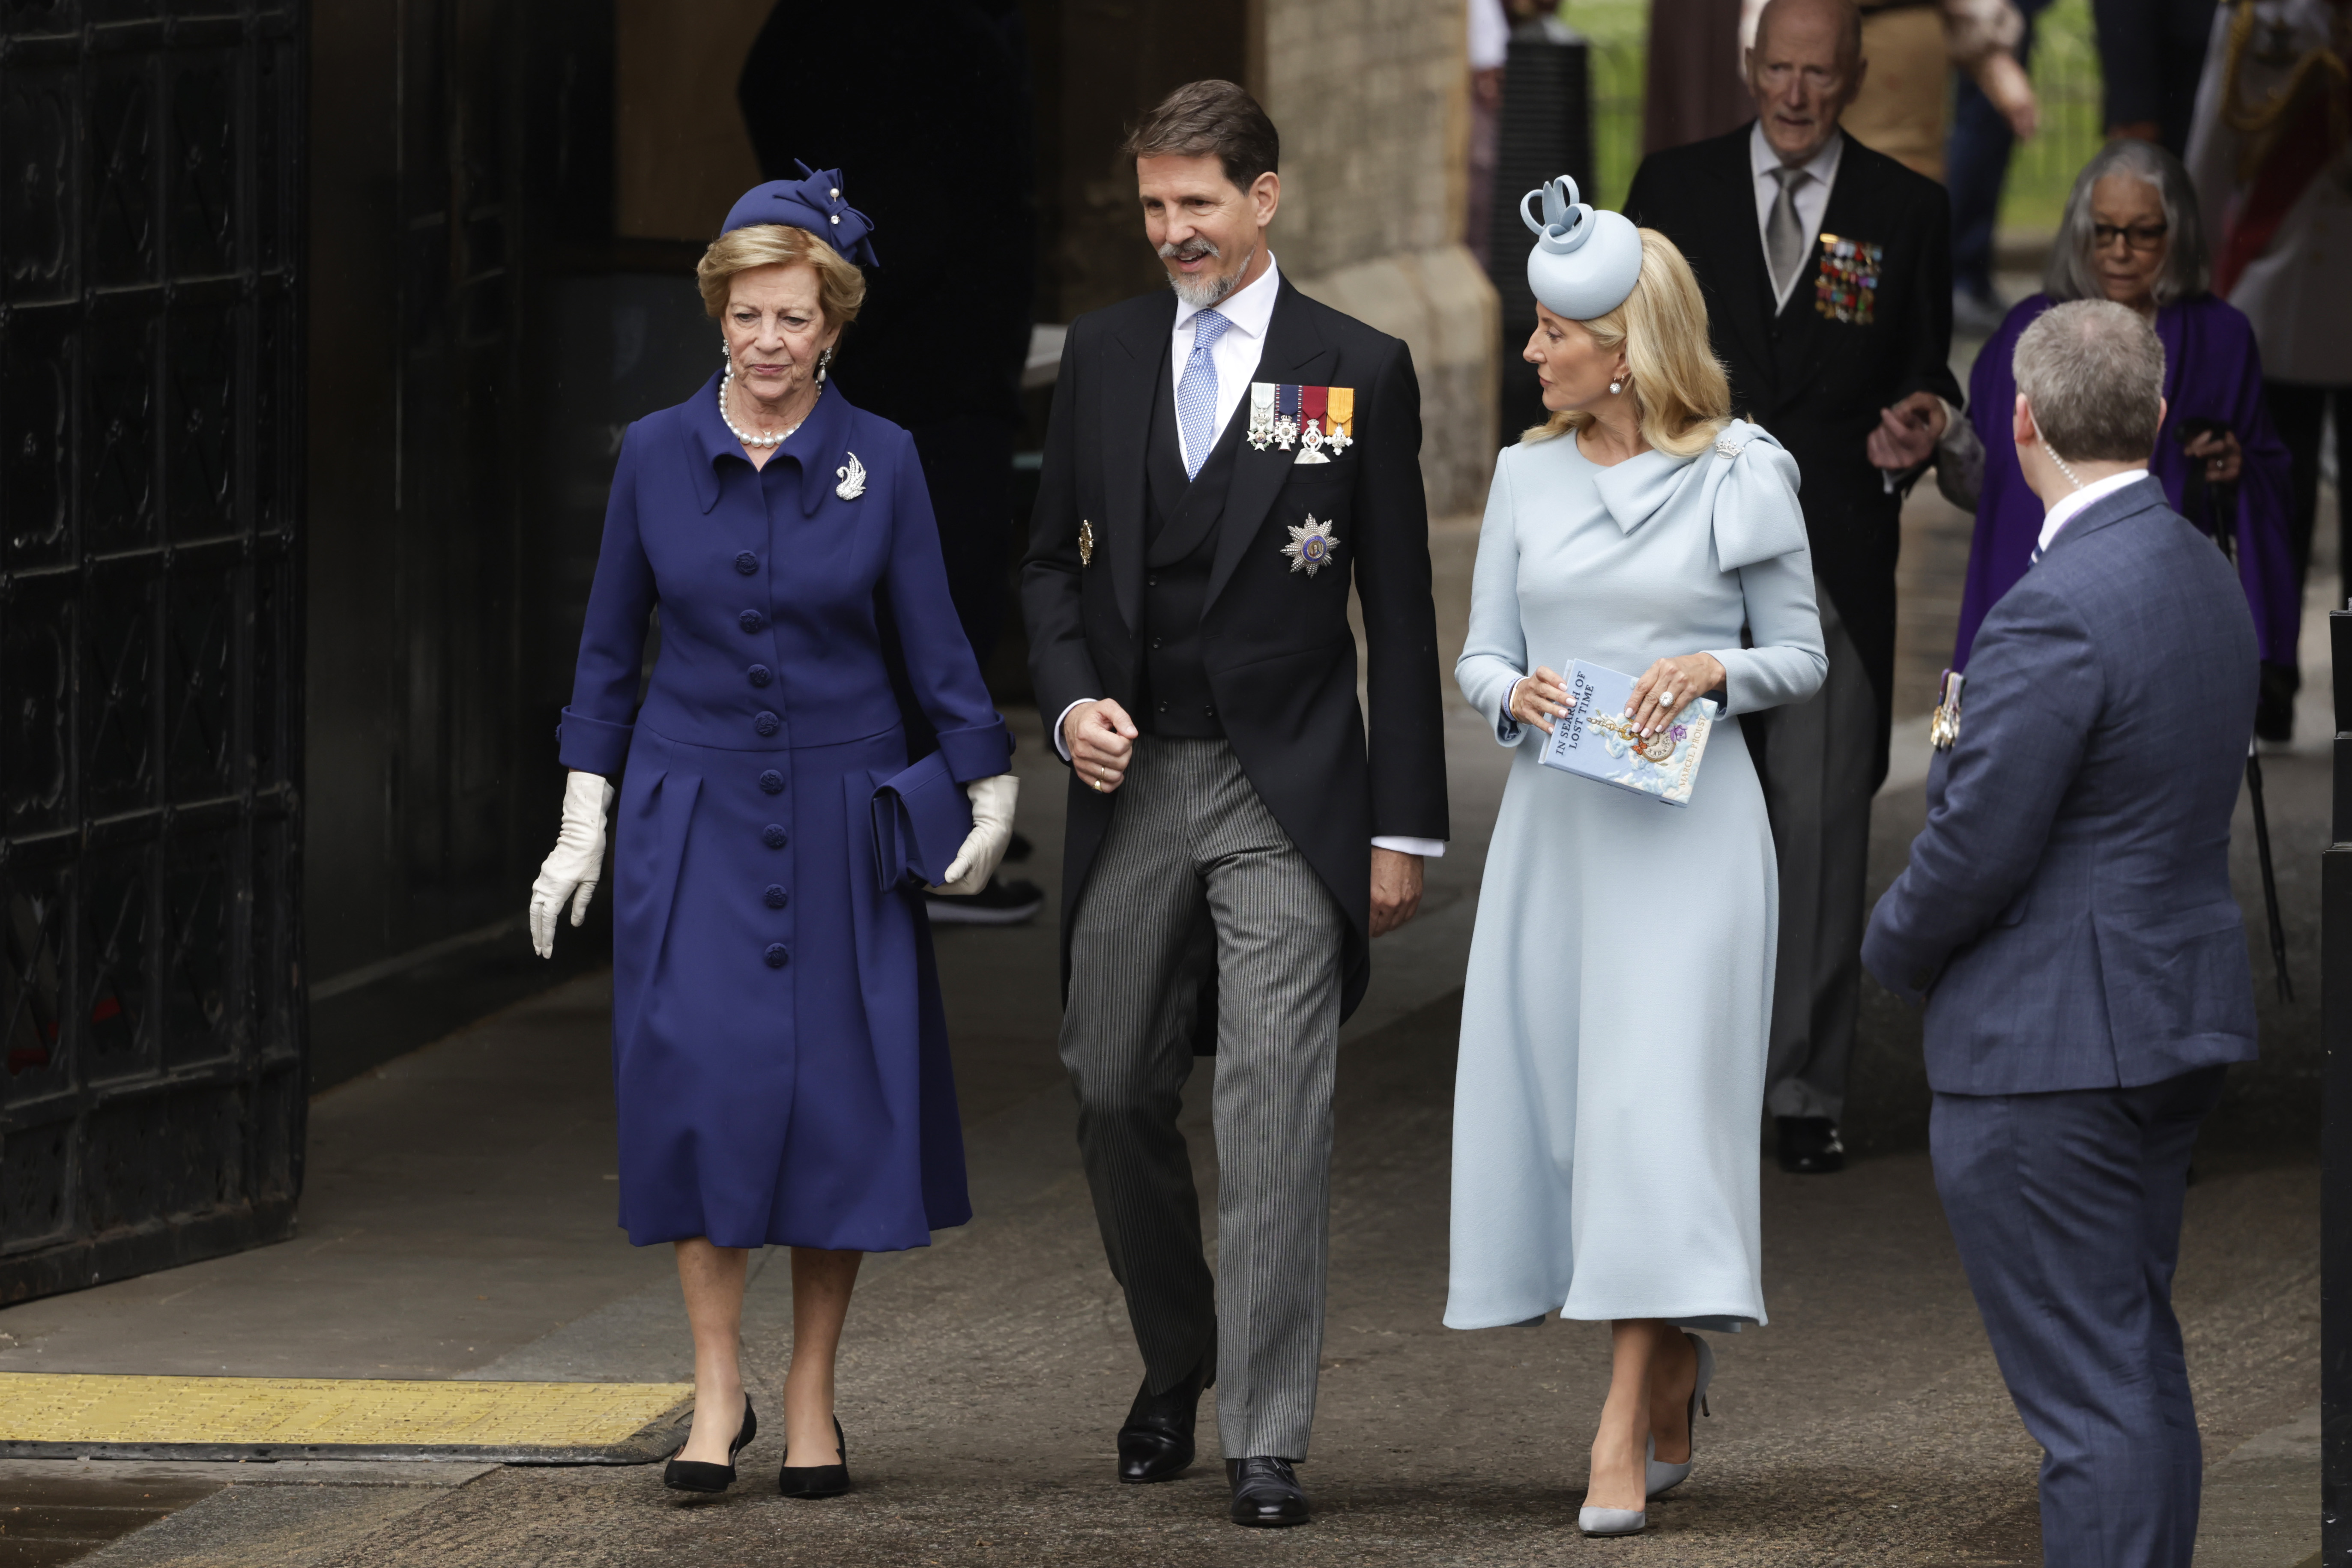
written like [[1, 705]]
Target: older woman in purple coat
[[779, 1051], [2132, 234]]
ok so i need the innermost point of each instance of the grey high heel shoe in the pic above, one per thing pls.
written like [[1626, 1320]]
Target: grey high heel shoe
[[1612, 1520], [1666, 1478]]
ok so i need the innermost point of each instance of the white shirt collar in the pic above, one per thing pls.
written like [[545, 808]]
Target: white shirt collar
[[1249, 308], [1762, 160], [2069, 505]]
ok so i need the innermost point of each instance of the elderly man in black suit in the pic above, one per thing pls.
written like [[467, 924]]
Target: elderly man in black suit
[[1833, 311], [1222, 461]]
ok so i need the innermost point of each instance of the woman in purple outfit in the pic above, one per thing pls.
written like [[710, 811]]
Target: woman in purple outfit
[[2132, 234], [779, 1052]]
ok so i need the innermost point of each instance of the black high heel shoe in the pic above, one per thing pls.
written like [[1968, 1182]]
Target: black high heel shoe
[[817, 1480], [695, 1476]]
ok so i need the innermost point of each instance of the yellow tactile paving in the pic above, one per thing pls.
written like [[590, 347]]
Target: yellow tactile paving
[[44, 1408]]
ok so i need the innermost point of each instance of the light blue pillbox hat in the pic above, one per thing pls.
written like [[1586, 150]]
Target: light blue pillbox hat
[[1585, 261]]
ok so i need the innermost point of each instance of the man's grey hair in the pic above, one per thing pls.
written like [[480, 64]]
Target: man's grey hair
[[2187, 266], [2092, 372]]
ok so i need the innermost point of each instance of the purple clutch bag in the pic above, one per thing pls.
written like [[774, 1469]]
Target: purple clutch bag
[[921, 818]]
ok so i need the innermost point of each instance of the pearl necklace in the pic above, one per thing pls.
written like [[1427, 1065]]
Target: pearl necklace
[[727, 380]]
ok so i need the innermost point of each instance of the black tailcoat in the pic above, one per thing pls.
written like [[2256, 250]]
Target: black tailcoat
[[1280, 656], [1816, 382]]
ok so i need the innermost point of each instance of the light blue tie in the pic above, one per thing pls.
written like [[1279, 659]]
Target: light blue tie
[[1196, 392]]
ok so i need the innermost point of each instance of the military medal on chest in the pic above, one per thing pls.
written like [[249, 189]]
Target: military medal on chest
[[1846, 290], [1318, 421], [1261, 415], [1311, 544]]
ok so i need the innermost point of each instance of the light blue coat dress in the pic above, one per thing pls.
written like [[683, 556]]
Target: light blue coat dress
[[1610, 1086]]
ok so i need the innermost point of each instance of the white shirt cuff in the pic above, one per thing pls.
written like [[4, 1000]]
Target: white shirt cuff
[[1061, 748], [1427, 848]]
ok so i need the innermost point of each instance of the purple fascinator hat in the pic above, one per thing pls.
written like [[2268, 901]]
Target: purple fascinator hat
[[814, 202], [1585, 261]]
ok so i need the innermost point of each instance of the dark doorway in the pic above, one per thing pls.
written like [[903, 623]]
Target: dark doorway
[[151, 594]]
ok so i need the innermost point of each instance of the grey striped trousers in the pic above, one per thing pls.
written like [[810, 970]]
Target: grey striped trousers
[[1189, 836]]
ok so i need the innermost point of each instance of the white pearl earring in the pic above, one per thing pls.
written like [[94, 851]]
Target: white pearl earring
[[1615, 387]]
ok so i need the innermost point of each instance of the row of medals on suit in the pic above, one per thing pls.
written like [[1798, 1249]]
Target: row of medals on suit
[[1315, 419]]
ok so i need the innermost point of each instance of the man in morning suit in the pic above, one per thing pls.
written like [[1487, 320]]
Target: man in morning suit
[[1222, 461], [1833, 313], [2066, 916]]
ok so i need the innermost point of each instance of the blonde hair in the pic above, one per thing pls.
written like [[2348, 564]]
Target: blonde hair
[[1678, 384], [840, 287]]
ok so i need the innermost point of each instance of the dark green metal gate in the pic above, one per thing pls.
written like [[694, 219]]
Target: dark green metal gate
[[152, 1033]]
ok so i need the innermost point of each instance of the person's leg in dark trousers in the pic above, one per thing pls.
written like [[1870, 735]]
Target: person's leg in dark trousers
[[1815, 759], [2066, 1208], [2300, 414], [1976, 165]]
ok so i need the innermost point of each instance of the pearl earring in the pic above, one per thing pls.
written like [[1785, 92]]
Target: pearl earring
[[1615, 387], [824, 363]]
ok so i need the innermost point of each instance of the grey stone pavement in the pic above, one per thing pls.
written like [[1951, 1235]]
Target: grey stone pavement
[[457, 1221]]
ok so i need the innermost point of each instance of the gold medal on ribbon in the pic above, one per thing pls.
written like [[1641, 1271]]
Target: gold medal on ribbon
[[1339, 414]]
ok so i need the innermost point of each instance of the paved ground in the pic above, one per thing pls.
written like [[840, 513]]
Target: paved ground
[[458, 1222]]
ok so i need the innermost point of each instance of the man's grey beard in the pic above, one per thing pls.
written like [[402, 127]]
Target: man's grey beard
[[1203, 292]]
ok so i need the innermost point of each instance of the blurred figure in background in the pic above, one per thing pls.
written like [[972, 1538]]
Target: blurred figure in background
[[1490, 48], [2151, 53], [905, 71], [2132, 235], [1912, 46], [1976, 167], [1692, 84], [2271, 160], [1833, 315]]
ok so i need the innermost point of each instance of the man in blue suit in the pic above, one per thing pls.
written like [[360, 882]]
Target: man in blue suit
[[2066, 917]]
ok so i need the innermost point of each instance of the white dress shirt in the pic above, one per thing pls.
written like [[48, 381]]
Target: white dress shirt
[[2060, 515], [1249, 311], [1812, 199]]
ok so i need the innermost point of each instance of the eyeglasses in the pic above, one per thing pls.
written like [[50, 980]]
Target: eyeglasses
[[2138, 237]]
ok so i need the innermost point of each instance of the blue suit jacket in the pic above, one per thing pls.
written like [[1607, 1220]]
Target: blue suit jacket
[[2066, 915]]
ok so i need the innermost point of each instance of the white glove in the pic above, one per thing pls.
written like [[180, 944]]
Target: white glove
[[992, 800], [572, 869]]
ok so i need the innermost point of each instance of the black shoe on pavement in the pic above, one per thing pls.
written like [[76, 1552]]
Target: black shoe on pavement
[[1001, 903], [695, 1476], [1155, 1444], [1810, 1146], [1265, 1492], [809, 1482]]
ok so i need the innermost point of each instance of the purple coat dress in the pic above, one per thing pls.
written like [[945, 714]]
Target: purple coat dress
[[2212, 371], [779, 1055]]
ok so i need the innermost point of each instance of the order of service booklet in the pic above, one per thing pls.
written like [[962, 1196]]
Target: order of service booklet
[[1596, 740]]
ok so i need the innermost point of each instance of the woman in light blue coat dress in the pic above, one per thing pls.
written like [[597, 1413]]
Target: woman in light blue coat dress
[[1611, 1080]]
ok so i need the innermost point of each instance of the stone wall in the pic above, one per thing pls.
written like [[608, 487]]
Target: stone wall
[[1372, 100]]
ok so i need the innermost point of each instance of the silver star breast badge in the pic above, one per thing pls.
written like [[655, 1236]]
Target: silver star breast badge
[[1311, 544]]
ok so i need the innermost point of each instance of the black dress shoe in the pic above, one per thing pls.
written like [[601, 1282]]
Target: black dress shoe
[[1810, 1146], [1155, 1444], [817, 1480], [1265, 1492], [696, 1476]]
